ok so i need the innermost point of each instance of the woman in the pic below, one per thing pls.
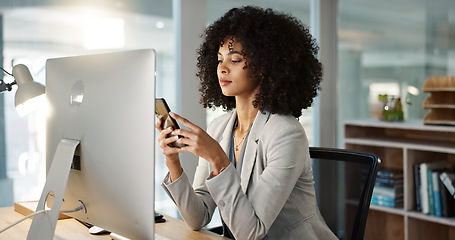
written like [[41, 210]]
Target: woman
[[254, 161]]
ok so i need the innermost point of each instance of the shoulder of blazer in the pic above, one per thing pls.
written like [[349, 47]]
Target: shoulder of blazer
[[283, 121], [280, 123]]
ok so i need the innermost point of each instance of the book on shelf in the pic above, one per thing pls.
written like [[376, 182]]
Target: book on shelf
[[386, 177], [440, 202], [388, 188], [417, 186], [385, 198], [430, 192], [437, 205], [436, 209], [386, 201], [447, 200], [425, 187], [390, 173], [386, 182], [448, 178], [394, 192]]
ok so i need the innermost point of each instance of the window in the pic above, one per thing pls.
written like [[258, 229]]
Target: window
[[32, 34]]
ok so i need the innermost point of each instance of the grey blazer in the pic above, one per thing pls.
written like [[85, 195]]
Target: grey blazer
[[272, 198]]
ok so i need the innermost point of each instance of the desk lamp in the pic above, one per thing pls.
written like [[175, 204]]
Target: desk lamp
[[28, 91]]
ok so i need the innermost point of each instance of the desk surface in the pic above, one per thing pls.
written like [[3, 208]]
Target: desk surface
[[71, 229]]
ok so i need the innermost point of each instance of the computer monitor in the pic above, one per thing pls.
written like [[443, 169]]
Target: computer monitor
[[105, 104]]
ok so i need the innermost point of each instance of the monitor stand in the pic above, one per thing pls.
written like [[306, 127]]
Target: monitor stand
[[115, 236], [43, 225]]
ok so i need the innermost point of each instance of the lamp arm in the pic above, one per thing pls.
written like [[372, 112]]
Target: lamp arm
[[6, 86]]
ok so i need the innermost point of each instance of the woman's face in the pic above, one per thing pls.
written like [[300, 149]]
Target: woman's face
[[233, 71]]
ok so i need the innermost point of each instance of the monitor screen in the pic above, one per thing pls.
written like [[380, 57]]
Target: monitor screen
[[106, 101]]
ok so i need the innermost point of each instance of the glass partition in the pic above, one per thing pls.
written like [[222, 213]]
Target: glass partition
[[391, 47]]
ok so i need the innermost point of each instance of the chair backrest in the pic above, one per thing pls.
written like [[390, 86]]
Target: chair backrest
[[344, 181]]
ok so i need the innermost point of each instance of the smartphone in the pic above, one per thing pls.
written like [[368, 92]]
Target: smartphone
[[162, 112]]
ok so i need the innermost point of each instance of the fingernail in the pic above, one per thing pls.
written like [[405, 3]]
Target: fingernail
[[172, 113]]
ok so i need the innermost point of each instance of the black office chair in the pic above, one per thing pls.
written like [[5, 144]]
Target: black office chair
[[344, 181]]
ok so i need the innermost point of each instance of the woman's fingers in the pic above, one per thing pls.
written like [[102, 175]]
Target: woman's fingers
[[164, 133], [158, 124], [166, 141], [183, 121], [197, 141], [184, 133]]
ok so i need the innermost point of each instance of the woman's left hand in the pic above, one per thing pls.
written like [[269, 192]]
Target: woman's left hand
[[200, 143]]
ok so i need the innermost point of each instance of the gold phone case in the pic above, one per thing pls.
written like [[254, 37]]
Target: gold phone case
[[162, 112]]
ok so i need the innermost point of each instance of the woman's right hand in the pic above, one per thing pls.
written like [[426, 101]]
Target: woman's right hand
[[171, 153]]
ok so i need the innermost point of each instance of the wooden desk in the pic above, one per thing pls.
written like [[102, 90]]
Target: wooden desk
[[71, 229]]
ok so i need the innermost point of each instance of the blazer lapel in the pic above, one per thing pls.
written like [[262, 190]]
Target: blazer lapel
[[249, 158], [226, 138]]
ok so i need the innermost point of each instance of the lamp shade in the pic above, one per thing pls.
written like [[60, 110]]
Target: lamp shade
[[27, 89]]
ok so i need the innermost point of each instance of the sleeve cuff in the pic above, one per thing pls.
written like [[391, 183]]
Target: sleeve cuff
[[167, 179], [213, 175]]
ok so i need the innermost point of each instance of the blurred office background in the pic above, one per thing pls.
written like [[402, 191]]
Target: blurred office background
[[381, 47]]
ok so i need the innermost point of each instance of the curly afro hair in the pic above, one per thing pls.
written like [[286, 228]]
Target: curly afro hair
[[279, 50]]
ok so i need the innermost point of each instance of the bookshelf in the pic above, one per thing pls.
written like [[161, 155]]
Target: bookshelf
[[400, 145]]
